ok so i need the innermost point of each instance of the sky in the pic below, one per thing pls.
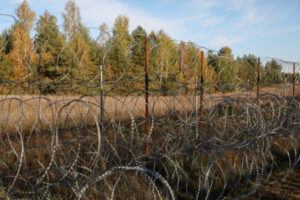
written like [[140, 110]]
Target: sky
[[265, 28]]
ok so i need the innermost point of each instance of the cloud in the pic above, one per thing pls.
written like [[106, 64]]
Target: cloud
[[221, 40], [107, 11], [247, 11]]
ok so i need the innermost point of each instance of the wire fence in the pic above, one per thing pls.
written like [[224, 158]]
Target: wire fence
[[150, 118]]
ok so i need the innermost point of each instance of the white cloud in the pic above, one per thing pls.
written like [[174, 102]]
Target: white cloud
[[99, 11], [221, 40], [248, 10]]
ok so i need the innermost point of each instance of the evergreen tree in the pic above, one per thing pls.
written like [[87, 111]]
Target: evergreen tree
[[152, 51], [6, 69], [120, 49], [247, 68], [224, 66], [54, 58], [272, 72], [49, 44], [138, 51]]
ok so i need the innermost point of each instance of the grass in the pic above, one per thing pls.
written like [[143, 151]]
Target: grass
[[44, 111], [29, 125]]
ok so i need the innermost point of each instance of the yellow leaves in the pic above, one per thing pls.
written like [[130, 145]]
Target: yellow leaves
[[46, 56], [25, 15], [210, 75], [22, 55]]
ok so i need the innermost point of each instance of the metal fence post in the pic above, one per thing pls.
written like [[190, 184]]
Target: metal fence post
[[147, 95], [101, 105], [201, 94], [294, 78], [258, 78]]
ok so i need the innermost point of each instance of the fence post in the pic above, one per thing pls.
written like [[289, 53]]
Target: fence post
[[147, 95], [101, 105], [201, 94], [294, 78], [258, 78]]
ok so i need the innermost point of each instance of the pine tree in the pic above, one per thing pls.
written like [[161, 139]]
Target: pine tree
[[49, 44], [6, 69], [54, 58], [225, 66], [138, 51], [247, 68], [120, 50], [272, 72]]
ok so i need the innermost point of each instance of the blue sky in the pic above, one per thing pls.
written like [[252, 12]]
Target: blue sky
[[266, 28]]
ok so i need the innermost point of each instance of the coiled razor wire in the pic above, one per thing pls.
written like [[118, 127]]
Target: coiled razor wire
[[87, 140]]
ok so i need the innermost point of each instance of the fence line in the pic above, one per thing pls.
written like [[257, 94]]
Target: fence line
[[149, 118]]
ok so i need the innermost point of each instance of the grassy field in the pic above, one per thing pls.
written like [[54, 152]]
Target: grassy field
[[34, 111], [52, 146]]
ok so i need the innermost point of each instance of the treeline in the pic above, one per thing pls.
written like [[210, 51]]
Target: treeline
[[53, 55]]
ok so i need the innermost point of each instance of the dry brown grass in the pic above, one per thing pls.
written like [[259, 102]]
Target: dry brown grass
[[42, 112]]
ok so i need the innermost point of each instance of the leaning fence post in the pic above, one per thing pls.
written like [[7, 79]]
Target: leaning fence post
[[201, 94], [258, 78], [147, 95], [294, 78]]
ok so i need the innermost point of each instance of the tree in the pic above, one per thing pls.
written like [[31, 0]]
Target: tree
[[247, 68], [226, 52], [272, 72], [120, 50], [53, 57], [138, 51], [166, 62], [6, 69], [152, 51], [189, 58], [78, 41], [223, 64], [23, 55]]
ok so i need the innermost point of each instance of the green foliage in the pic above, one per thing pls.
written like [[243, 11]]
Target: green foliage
[[138, 51], [74, 56], [272, 73], [224, 65], [78, 42], [49, 45], [119, 54], [6, 68], [247, 69]]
